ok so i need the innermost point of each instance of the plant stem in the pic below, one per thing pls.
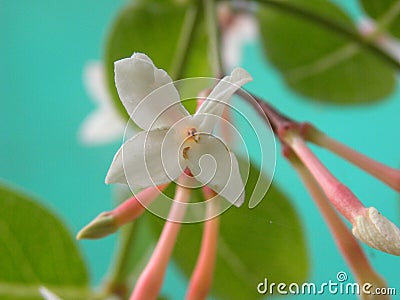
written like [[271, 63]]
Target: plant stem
[[277, 120], [334, 26], [116, 284], [213, 32], [185, 39], [345, 241], [339, 195], [150, 280], [388, 175], [201, 280]]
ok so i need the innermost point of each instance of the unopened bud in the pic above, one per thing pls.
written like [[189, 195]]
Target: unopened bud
[[377, 231], [103, 225]]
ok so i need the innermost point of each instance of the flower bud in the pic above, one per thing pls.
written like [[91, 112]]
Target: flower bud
[[103, 225], [376, 231]]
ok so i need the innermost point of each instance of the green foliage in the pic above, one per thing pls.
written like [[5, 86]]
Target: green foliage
[[385, 12], [36, 249], [266, 241], [156, 29], [318, 62]]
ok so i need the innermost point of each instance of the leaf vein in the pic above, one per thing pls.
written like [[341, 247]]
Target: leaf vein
[[323, 64]]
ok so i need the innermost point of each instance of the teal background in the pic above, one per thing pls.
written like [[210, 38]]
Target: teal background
[[44, 46]]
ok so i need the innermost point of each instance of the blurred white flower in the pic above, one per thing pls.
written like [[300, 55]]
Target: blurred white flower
[[386, 42], [238, 29], [104, 125]]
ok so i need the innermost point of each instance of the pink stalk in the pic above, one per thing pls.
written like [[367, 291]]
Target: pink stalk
[[108, 222], [201, 280], [340, 196], [150, 281], [388, 175], [133, 207], [345, 241]]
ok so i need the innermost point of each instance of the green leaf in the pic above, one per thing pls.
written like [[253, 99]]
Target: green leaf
[[386, 13], [158, 29], [36, 249], [264, 242], [318, 62]]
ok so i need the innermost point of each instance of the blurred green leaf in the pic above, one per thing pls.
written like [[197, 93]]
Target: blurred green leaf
[[385, 12], [319, 62], [36, 249], [264, 242], [156, 29]]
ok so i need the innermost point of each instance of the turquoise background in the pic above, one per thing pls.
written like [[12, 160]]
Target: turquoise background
[[44, 46]]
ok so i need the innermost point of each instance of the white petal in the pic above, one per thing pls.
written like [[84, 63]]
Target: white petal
[[102, 126], [140, 160], [242, 30], [148, 94], [213, 164], [105, 124], [217, 101], [95, 82]]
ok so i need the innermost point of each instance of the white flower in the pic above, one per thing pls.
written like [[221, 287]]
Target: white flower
[[105, 124], [173, 140], [242, 29]]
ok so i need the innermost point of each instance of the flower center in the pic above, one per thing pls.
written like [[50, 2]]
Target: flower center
[[193, 135]]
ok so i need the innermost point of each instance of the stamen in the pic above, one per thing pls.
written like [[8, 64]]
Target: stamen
[[192, 133], [184, 152]]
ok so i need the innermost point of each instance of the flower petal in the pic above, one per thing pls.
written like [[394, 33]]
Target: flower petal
[[95, 82], [102, 126], [212, 108], [243, 29], [214, 165], [148, 93], [140, 162]]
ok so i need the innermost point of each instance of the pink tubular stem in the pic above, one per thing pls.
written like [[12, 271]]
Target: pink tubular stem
[[201, 280], [345, 241], [340, 195], [150, 281], [388, 175], [132, 208]]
